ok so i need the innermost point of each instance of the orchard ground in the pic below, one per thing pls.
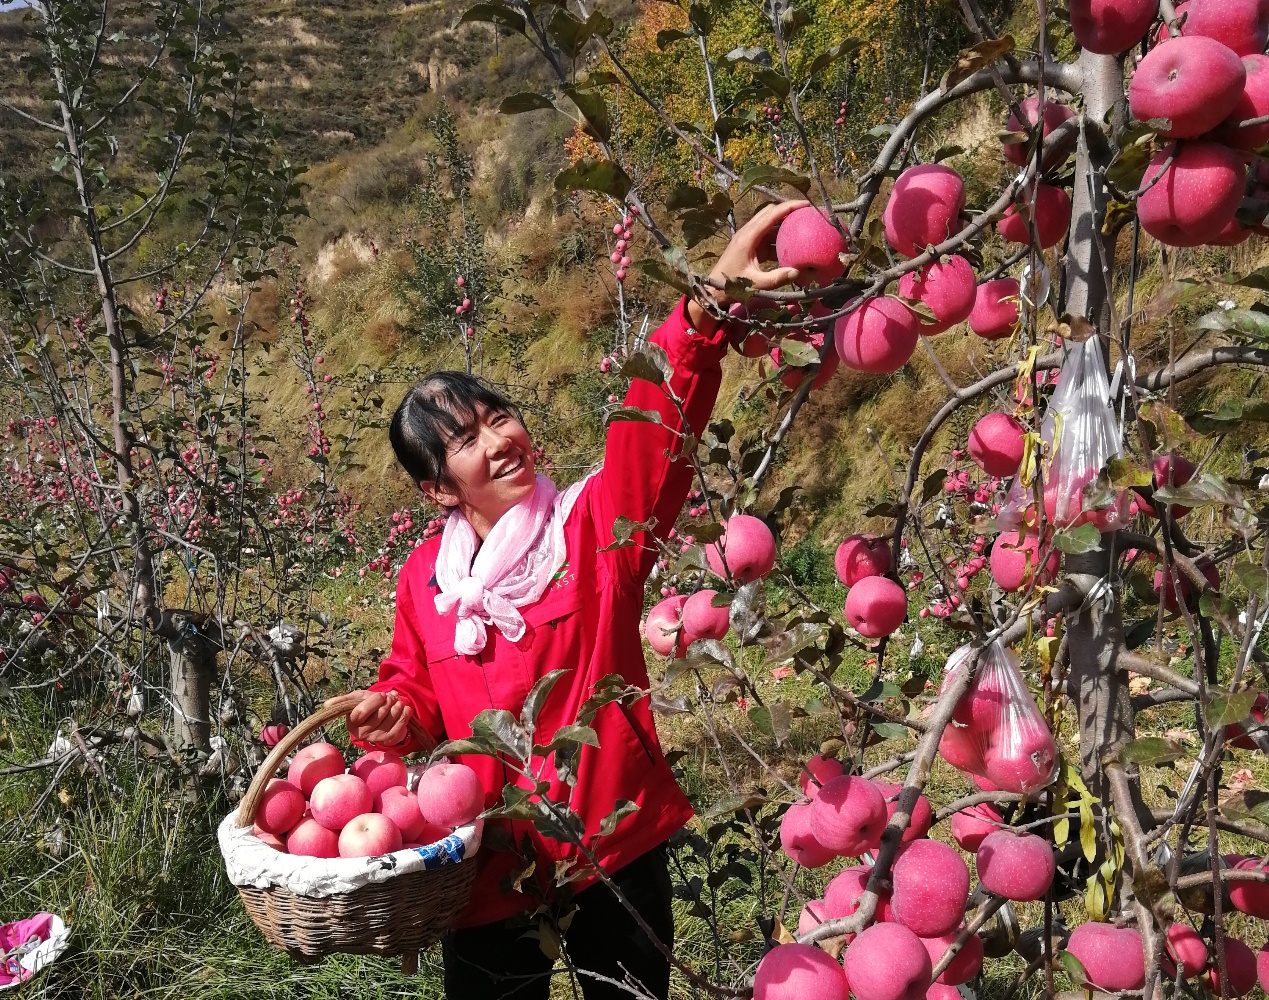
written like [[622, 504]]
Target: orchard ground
[[141, 878]]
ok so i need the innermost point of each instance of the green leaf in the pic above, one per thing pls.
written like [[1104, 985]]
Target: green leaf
[[757, 55], [685, 196], [499, 728], [565, 736], [632, 414], [669, 36], [1253, 579], [793, 20], [767, 175], [947, 152], [1250, 804], [884, 509], [976, 57], [729, 125], [881, 691], [891, 730], [1248, 321], [1224, 709], [537, 696], [651, 364], [594, 109], [798, 353], [699, 17], [830, 55], [1077, 541], [623, 809], [518, 104], [932, 484], [760, 716], [494, 13], [657, 271], [1073, 967], [777, 83], [1151, 750], [1124, 473], [734, 804], [589, 174], [452, 747]]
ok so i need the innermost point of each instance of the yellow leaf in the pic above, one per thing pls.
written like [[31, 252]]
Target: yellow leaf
[[781, 933]]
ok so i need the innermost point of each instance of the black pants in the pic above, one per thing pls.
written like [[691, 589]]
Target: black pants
[[499, 962]]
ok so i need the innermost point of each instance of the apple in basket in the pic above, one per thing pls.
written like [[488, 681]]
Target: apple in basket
[[337, 800], [311, 839], [380, 770], [312, 764], [368, 836], [450, 795]]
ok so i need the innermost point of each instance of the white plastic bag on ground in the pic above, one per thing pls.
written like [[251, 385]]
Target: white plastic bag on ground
[[997, 731]]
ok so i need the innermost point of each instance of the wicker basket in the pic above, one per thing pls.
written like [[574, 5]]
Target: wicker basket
[[408, 899]]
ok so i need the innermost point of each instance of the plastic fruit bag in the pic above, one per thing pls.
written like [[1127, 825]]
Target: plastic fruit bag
[[997, 731], [1081, 436]]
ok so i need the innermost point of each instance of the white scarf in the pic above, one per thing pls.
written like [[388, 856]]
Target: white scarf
[[513, 567]]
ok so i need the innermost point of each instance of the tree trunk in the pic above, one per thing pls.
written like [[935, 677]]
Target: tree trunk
[[192, 646]]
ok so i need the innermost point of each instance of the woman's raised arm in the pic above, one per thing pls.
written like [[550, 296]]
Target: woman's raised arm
[[645, 476]]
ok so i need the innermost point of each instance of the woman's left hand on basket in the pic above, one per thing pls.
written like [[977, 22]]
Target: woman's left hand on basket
[[381, 719]]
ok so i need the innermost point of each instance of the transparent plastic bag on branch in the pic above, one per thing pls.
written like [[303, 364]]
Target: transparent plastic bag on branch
[[1080, 437], [997, 731]]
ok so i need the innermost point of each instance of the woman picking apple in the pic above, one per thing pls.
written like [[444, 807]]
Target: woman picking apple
[[517, 585]]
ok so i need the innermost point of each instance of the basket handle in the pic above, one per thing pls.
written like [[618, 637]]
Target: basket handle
[[335, 708]]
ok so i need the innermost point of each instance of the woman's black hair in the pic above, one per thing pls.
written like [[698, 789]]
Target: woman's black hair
[[439, 407]]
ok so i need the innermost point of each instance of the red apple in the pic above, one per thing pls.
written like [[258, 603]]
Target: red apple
[[1017, 866], [701, 620], [368, 836], [996, 444], [662, 626], [1252, 103], [380, 770], [947, 288], [312, 764], [922, 816], [888, 962], [337, 799], [964, 966], [401, 806], [1052, 218], [1236, 737], [1013, 560], [1169, 470], [1242, 25], [973, 824], [1109, 27], [1055, 115], [1169, 596], [797, 839], [799, 972], [748, 546], [277, 843], [310, 839], [450, 795], [1234, 234], [1240, 964], [841, 895], [878, 337], [1113, 957], [1251, 897], [281, 807], [808, 241], [876, 606], [1192, 81], [751, 343], [995, 312], [813, 914], [931, 885], [823, 370], [1262, 967], [824, 770], [963, 748], [848, 815], [861, 555], [1184, 945], [271, 735], [924, 208]]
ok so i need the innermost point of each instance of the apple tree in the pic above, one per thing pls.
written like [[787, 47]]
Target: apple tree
[[1067, 518]]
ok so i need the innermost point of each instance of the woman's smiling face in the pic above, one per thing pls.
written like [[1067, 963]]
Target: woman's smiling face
[[488, 467]]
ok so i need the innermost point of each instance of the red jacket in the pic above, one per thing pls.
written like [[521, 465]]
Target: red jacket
[[588, 622]]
